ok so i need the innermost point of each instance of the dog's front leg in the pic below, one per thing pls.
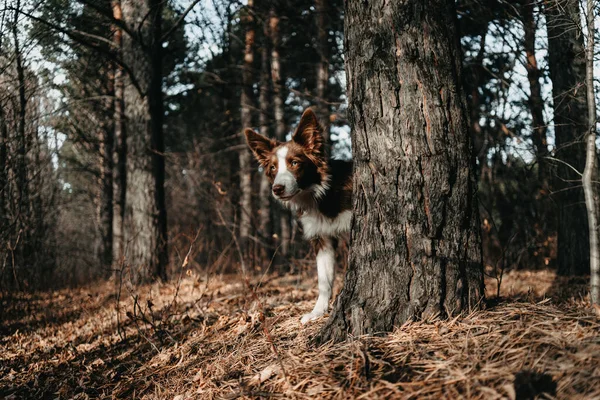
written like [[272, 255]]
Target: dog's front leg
[[325, 270]]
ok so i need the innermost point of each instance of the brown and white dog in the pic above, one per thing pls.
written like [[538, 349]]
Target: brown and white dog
[[304, 179]]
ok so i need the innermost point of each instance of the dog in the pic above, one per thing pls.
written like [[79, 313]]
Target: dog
[[318, 189]]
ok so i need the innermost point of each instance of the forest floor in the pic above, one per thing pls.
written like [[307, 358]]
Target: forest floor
[[212, 338]]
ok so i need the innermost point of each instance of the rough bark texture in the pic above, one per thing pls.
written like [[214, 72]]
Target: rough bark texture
[[415, 241], [246, 119], [145, 223], [280, 129], [567, 70], [120, 146], [590, 173], [536, 102]]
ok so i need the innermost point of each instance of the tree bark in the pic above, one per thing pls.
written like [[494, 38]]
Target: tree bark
[[323, 67], [145, 225], [566, 59], [25, 253], [246, 120], [105, 190], [590, 173], [280, 128], [536, 103], [415, 243], [3, 169], [120, 145], [21, 120], [264, 210]]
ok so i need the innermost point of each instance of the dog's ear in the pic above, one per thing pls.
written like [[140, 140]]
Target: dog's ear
[[260, 146], [309, 133]]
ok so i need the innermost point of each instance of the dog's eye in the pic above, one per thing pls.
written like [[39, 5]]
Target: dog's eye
[[273, 168], [294, 163]]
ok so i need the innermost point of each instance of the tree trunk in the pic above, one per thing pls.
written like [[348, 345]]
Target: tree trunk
[[25, 252], [590, 173], [246, 120], [264, 210], [566, 58], [280, 130], [323, 67], [105, 192], [415, 243], [120, 146], [145, 233], [21, 120], [3, 170], [536, 103]]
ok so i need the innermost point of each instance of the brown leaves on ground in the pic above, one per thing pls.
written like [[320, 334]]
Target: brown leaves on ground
[[207, 340]]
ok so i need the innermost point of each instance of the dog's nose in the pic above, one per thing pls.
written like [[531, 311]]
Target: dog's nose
[[278, 190]]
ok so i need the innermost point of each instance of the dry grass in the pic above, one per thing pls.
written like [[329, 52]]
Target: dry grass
[[212, 343]]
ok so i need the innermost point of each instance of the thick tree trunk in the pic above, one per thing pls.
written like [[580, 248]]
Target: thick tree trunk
[[590, 173], [415, 243], [280, 129], [264, 195], [323, 67], [145, 224], [120, 146], [536, 103], [246, 119], [567, 69]]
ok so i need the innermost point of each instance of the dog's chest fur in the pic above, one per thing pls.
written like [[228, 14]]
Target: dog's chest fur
[[331, 214], [315, 224]]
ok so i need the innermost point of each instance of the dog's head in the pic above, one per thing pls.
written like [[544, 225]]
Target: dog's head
[[295, 167]]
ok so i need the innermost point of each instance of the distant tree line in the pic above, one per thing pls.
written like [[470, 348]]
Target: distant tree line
[[121, 121]]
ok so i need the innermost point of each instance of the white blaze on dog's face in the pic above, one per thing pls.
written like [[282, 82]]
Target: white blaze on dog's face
[[295, 166], [285, 184]]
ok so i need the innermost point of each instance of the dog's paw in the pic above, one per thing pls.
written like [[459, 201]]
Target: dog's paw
[[306, 318]]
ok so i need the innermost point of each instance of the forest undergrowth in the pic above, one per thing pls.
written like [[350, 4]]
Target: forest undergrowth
[[220, 338]]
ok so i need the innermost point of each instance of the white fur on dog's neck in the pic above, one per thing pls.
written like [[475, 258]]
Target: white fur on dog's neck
[[315, 224]]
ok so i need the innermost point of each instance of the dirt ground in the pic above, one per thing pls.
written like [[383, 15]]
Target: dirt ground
[[211, 338]]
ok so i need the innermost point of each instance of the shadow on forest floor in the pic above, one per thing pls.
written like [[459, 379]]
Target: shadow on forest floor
[[208, 340]]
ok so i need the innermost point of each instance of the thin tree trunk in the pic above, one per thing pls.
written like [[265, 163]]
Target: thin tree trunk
[[145, 213], [105, 198], [536, 103], [21, 118], [105, 191], [120, 145], [264, 210], [246, 120], [24, 252], [323, 67], [590, 173], [415, 242], [479, 137], [566, 59], [280, 129], [3, 169], [158, 140]]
